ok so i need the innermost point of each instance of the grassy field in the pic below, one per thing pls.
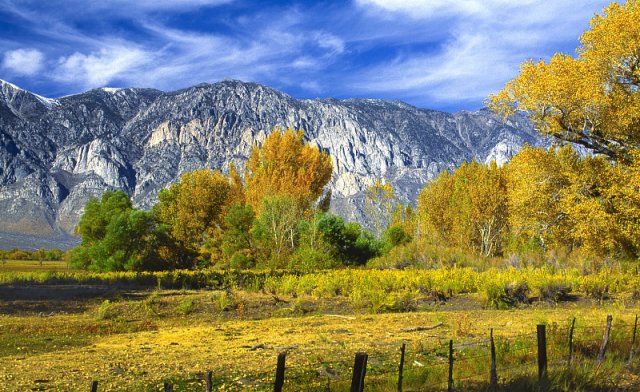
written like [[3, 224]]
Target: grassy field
[[63, 336], [31, 265]]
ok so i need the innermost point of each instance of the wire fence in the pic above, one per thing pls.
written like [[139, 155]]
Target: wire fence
[[594, 357]]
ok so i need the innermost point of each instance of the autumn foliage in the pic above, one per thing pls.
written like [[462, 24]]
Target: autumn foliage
[[543, 199], [285, 165], [592, 99]]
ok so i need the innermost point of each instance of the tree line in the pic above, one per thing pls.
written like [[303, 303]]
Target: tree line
[[542, 200], [275, 214]]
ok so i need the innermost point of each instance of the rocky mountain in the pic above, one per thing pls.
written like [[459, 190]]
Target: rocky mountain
[[57, 153]]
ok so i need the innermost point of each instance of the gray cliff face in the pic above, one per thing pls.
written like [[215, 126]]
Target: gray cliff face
[[56, 154]]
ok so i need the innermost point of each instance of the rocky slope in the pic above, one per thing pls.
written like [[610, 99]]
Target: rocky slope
[[57, 153]]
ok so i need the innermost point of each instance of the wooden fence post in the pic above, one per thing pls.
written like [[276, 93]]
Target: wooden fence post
[[94, 386], [277, 387], [542, 353], [605, 340], [493, 381], [359, 371], [209, 381], [633, 339], [573, 324], [400, 367], [168, 387], [450, 379]]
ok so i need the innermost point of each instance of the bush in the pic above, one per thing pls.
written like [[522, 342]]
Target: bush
[[506, 295], [554, 291], [307, 259], [186, 306], [222, 300], [106, 311]]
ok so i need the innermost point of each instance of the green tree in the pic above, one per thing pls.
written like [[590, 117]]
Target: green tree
[[116, 237], [238, 243], [277, 228]]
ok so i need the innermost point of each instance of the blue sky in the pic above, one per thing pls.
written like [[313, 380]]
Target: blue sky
[[437, 54]]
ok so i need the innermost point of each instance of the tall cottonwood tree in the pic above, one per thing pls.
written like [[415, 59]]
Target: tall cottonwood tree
[[285, 165], [592, 99], [467, 208], [536, 187], [192, 208]]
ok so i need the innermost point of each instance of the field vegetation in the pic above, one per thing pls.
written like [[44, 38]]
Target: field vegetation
[[229, 269]]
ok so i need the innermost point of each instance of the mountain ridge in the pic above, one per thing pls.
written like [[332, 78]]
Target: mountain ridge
[[56, 153]]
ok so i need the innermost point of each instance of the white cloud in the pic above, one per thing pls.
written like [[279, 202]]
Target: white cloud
[[99, 68], [465, 70], [484, 45], [429, 8], [329, 41], [24, 62]]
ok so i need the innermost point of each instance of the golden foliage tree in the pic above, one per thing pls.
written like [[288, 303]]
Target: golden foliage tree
[[193, 207], [467, 208], [592, 100], [561, 199], [285, 165], [537, 184]]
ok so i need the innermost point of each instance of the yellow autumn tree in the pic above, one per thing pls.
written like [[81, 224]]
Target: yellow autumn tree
[[433, 213], [466, 209], [590, 211], [192, 208], [624, 196], [284, 165], [236, 188], [537, 184], [592, 99]]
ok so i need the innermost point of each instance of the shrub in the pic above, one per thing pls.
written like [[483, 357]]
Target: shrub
[[106, 311], [554, 291], [222, 300], [308, 259], [506, 295], [186, 306]]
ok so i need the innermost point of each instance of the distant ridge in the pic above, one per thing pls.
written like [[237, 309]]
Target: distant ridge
[[57, 153]]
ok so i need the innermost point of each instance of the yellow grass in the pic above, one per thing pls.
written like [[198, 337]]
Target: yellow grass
[[31, 265], [184, 347]]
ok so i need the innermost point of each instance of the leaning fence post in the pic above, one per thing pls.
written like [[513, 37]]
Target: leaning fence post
[[450, 380], [542, 353], [633, 339], [573, 324], [359, 371], [493, 382], [605, 339], [94, 386], [277, 387], [400, 367], [209, 381]]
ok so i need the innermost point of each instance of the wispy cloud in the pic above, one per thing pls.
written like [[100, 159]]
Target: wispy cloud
[[23, 61], [436, 53], [101, 67], [485, 44]]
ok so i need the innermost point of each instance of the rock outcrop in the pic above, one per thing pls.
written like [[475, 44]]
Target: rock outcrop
[[57, 153]]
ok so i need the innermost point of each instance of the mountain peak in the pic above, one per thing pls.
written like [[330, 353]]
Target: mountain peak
[[142, 140]]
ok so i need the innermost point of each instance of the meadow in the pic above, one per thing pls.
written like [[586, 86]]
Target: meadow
[[62, 329]]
